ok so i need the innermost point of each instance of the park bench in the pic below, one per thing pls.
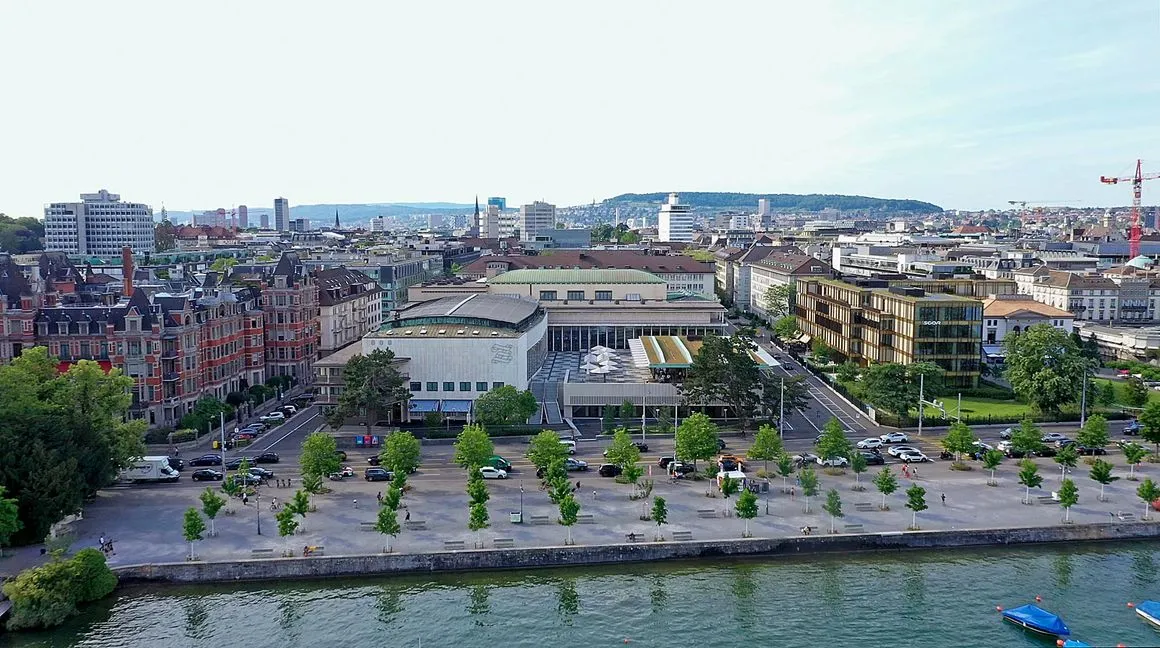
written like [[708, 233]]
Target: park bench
[[367, 526], [261, 553], [633, 537], [682, 536], [852, 528], [538, 519], [1126, 517], [1048, 499], [863, 506], [585, 518], [808, 530], [707, 513], [454, 545], [504, 543], [415, 525]]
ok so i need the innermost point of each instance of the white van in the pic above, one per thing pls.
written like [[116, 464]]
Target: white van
[[571, 445]]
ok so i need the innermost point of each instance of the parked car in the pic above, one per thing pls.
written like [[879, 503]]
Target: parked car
[[1132, 428], [1046, 451], [1063, 443], [245, 480], [868, 444], [610, 470], [896, 451], [835, 462], [341, 454], [273, 417], [873, 458], [262, 473], [730, 462], [571, 464], [496, 461], [1006, 434], [789, 366], [288, 410], [1088, 450], [894, 437], [377, 474], [914, 457], [1004, 445], [206, 460], [206, 474], [176, 463], [983, 446], [236, 462], [489, 472], [1052, 437], [343, 473], [804, 458], [664, 462], [679, 468], [267, 457]]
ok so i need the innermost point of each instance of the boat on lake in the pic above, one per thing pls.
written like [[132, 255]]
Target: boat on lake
[[1150, 612], [1075, 643], [1037, 619]]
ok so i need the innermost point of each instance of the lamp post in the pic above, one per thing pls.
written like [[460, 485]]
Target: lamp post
[[521, 500], [258, 499]]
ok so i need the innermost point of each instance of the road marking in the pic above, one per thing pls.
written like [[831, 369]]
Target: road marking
[[299, 427]]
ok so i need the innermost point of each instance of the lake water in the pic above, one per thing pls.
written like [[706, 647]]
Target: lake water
[[929, 599]]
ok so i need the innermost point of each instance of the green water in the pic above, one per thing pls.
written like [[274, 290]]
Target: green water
[[909, 599]]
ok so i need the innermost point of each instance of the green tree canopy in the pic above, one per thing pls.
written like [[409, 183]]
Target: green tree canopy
[[886, 483], [746, 508], [1101, 473], [545, 448], [786, 327], [1029, 476], [777, 301], [660, 513], [46, 596], [371, 384], [916, 502], [473, 447], [847, 372], [20, 235], [192, 528], [1150, 424], [723, 370], [1027, 438], [621, 451], [569, 513], [895, 387], [319, 455], [1135, 393], [505, 405], [223, 264], [991, 460], [696, 438], [792, 389], [1094, 433], [766, 445], [401, 452], [1134, 453], [833, 506], [1149, 492], [834, 443], [1068, 497], [387, 523], [959, 440], [1044, 367], [211, 505], [809, 481]]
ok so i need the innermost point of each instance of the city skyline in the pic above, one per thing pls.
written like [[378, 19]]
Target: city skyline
[[962, 105]]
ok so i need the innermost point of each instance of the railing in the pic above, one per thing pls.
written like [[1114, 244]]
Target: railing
[[170, 375]]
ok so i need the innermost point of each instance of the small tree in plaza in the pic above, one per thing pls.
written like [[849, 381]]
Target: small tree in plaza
[[478, 520], [569, 512], [319, 455], [746, 508], [287, 525], [959, 441], [858, 465], [886, 482], [1094, 433], [696, 438], [312, 484], [473, 447], [766, 446], [627, 413], [834, 443], [299, 504], [1068, 497], [1027, 438], [729, 486], [1150, 424], [1067, 458], [401, 452], [393, 498], [1030, 478], [388, 525], [785, 468], [192, 528], [1149, 492], [660, 515], [833, 506], [545, 448], [399, 481], [991, 460], [608, 421], [809, 480], [622, 451], [1101, 473], [211, 505], [915, 501], [1134, 453]]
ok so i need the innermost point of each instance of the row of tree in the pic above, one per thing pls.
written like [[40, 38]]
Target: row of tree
[[21, 235]]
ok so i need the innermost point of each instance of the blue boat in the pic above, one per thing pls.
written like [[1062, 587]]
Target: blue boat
[[1075, 643], [1036, 618], [1150, 611]]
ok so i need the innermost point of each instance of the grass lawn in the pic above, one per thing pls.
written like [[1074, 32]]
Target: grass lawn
[[1120, 386], [980, 407]]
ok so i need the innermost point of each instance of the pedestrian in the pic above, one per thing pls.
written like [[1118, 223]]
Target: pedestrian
[[944, 499], [594, 495], [914, 473], [577, 485], [245, 499], [355, 503], [102, 545], [407, 518], [111, 549], [380, 497], [792, 493]]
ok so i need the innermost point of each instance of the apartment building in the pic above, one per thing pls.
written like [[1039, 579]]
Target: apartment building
[[869, 321], [100, 225], [1006, 314], [781, 269], [349, 307], [291, 307], [1089, 297]]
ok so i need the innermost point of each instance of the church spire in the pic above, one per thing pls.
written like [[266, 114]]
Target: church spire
[[477, 207], [336, 225]]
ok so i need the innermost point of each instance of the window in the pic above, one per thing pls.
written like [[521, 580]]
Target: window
[[547, 295], [481, 386], [449, 386], [464, 386], [603, 295], [496, 385], [577, 295], [416, 386], [632, 296], [432, 386]]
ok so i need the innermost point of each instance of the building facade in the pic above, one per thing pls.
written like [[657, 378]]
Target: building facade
[[538, 218], [681, 273], [349, 307], [1006, 314], [100, 225], [675, 221], [281, 215], [290, 305], [781, 269]]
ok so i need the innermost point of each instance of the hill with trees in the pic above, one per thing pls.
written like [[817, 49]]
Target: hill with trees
[[782, 202]]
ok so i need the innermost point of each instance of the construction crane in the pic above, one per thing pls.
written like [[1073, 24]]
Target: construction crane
[[1137, 186]]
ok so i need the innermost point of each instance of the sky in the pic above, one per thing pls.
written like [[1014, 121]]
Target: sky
[[198, 105]]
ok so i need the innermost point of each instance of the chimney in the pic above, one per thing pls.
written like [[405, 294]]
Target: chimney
[[127, 270]]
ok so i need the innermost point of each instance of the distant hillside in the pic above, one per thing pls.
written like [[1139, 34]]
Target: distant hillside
[[782, 202]]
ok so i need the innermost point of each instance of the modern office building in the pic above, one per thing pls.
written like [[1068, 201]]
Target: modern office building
[[243, 216], [489, 222], [265, 221], [870, 321], [681, 273], [100, 225], [675, 222], [536, 219], [498, 202], [281, 214]]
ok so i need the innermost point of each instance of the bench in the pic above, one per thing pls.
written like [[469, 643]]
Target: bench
[[261, 553], [863, 506], [808, 530], [538, 519], [366, 526], [316, 551], [415, 525], [707, 513], [504, 543], [585, 518], [454, 545], [1126, 517], [633, 537], [1046, 499], [682, 536], [852, 528]]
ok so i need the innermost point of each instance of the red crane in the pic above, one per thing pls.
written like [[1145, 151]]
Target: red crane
[[1137, 185]]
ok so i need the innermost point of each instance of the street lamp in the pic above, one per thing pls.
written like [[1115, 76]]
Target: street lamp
[[258, 498], [521, 500]]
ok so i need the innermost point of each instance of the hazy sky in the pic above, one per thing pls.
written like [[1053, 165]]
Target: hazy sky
[[212, 103]]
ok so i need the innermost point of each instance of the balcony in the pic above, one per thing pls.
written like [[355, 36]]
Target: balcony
[[170, 376]]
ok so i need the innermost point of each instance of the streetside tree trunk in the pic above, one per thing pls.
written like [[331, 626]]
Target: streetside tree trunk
[[992, 475], [1067, 514], [914, 519], [212, 530], [883, 507], [1026, 494], [1102, 492]]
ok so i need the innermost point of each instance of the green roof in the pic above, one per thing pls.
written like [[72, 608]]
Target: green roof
[[576, 276]]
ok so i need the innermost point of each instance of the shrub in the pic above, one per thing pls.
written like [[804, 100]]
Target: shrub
[[46, 596]]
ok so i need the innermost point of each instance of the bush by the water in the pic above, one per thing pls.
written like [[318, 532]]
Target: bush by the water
[[46, 596]]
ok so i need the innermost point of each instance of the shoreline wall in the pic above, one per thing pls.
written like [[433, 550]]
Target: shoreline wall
[[574, 556]]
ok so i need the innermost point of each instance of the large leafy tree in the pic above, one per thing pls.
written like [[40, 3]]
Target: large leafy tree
[[505, 405], [1135, 393], [621, 451], [786, 327], [401, 452], [696, 438], [9, 519], [1094, 433], [20, 235], [1150, 424], [959, 440], [1044, 367], [545, 449], [896, 388], [777, 301], [319, 455], [1027, 438], [473, 447], [766, 445], [371, 384], [834, 443], [723, 370], [796, 393]]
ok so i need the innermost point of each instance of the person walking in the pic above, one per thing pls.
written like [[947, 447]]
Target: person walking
[[944, 499], [594, 496], [407, 518]]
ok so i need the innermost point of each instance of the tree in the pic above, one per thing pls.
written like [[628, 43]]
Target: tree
[[401, 452], [545, 448], [399, 481], [1107, 394], [235, 399], [299, 504], [193, 527], [223, 264], [287, 525], [609, 419], [1094, 433], [847, 372], [319, 455], [387, 524], [1030, 478], [20, 235], [660, 515], [886, 483], [1067, 458], [92, 577], [312, 484], [776, 300], [477, 488], [724, 370], [786, 327], [916, 502], [622, 452], [781, 392], [858, 465], [766, 445], [746, 508], [46, 596], [393, 498], [895, 387], [9, 519], [821, 351], [809, 480], [1027, 438], [433, 420], [211, 505], [1044, 367], [505, 405], [1134, 453], [1150, 424], [785, 468], [473, 447], [729, 486], [1068, 497], [569, 512], [696, 438], [478, 520], [1149, 492], [664, 421], [833, 506], [1135, 393], [959, 440], [371, 383], [1101, 473], [627, 413], [991, 460], [834, 443]]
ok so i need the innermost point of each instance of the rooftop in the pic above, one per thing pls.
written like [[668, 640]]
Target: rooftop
[[497, 308], [584, 276], [1008, 307]]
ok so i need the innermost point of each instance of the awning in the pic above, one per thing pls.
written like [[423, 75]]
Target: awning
[[993, 350], [456, 406], [804, 339], [421, 406]]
